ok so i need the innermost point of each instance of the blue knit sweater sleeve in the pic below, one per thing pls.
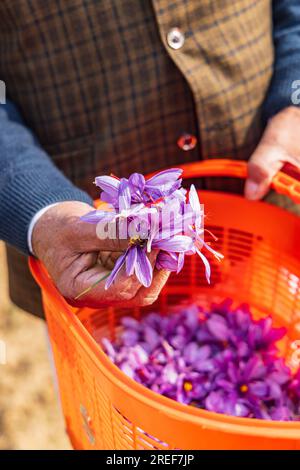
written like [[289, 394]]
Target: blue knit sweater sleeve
[[285, 85], [29, 180]]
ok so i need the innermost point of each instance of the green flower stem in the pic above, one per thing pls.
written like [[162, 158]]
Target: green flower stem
[[88, 289]]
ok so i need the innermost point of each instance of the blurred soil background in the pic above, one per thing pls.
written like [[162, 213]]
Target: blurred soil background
[[30, 416]]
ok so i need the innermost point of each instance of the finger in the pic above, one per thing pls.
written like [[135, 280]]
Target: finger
[[103, 257], [147, 296], [263, 165], [266, 161], [88, 291], [152, 257], [108, 258], [82, 236], [125, 288], [81, 277], [101, 237]]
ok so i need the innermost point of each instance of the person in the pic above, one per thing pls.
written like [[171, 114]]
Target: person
[[121, 86]]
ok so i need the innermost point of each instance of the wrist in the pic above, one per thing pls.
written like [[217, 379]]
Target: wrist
[[47, 233], [33, 222]]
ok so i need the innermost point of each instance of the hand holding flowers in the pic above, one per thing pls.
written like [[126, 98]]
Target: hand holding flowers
[[70, 249], [153, 214], [151, 241]]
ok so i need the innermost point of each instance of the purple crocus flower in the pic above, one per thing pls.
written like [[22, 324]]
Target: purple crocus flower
[[162, 184], [218, 327], [230, 404], [137, 262], [262, 334], [125, 210], [178, 244], [110, 189], [143, 192], [240, 389], [162, 229], [170, 261]]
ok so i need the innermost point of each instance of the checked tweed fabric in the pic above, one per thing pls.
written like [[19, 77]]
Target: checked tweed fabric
[[98, 83]]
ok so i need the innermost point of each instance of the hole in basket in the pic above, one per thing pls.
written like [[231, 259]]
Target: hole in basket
[[134, 436]]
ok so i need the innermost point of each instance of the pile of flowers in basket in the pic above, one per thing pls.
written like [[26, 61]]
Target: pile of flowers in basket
[[221, 360]]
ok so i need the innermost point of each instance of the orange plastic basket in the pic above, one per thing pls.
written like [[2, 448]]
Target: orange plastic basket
[[105, 409]]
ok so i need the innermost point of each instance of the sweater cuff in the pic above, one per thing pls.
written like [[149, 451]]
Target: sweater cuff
[[33, 222], [33, 191]]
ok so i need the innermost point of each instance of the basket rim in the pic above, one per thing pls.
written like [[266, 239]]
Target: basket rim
[[211, 420]]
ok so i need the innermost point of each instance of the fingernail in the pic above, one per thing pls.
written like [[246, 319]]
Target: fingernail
[[251, 190]]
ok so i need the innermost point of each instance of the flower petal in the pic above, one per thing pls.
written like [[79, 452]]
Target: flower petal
[[110, 350], [109, 184], [282, 413], [178, 225], [180, 262], [151, 337], [124, 195], [254, 369], [129, 337], [240, 409], [96, 216], [215, 402], [168, 261], [194, 200], [131, 260], [143, 268], [136, 184], [190, 352], [117, 268], [218, 327], [110, 199], [130, 322], [165, 176], [178, 243], [206, 265], [258, 388]]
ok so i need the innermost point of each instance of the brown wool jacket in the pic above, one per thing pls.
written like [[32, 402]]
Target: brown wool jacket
[[111, 86]]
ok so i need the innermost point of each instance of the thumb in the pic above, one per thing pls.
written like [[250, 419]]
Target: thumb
[[263, 165], [104, 236], [65, 219]]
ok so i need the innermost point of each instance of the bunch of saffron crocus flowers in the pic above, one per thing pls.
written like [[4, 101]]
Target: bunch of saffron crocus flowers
[[220, 359], [153, 214]]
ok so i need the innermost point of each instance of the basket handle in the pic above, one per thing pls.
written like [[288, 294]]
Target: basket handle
[[285, 182]]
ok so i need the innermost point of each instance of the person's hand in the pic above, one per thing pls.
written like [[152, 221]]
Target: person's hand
[[280, 144], [76, 258]]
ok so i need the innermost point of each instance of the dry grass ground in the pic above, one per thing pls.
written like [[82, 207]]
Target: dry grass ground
[[30, 417]]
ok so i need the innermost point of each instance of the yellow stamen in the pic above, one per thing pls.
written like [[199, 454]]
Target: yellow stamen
[[134, 240], [137, 241], [188, 386], [244, 388]]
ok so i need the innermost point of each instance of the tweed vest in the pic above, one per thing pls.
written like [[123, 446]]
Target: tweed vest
[[99, 84]]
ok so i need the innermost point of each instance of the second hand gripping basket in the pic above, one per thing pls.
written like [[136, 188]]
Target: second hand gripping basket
[[105, 409]]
